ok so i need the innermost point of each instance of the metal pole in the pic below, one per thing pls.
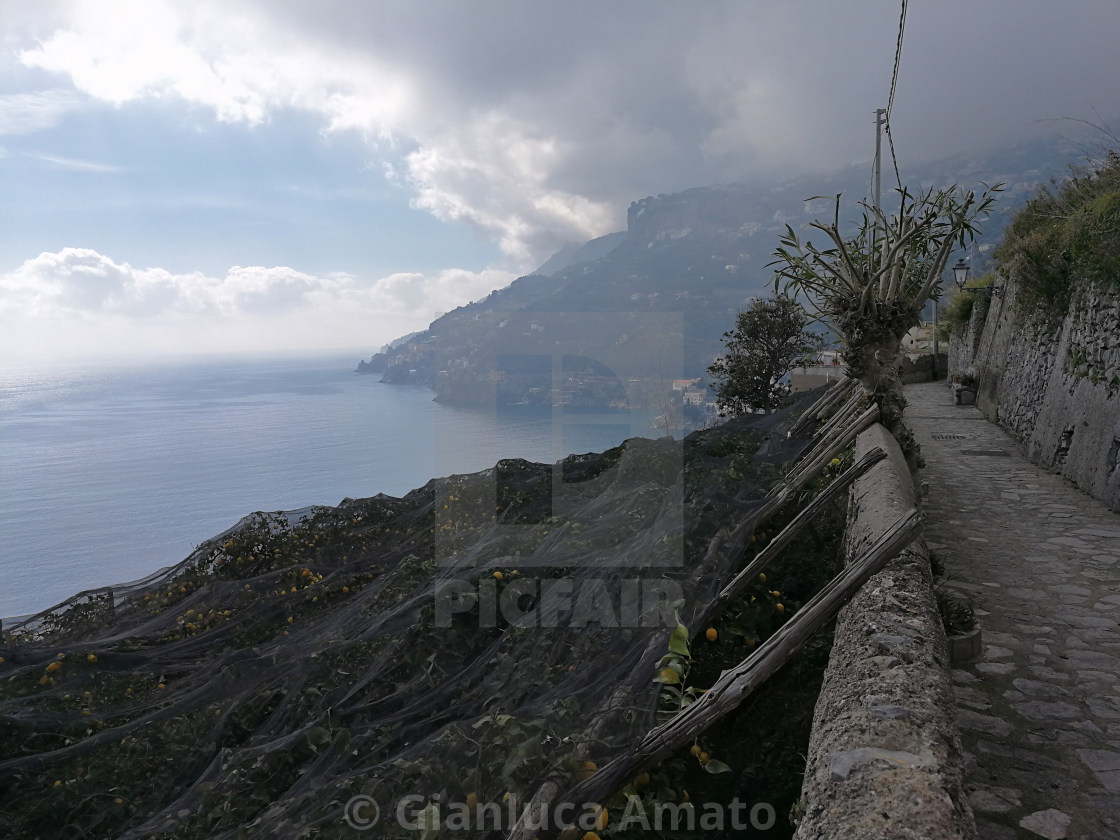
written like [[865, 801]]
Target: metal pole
[[876, 175], [935, 349], [876, 184]]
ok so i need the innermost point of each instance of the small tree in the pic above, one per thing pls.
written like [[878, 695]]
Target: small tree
[[769, 340], [871, 286]]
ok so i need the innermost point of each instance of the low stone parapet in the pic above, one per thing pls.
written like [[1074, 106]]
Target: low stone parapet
[[885, 759]]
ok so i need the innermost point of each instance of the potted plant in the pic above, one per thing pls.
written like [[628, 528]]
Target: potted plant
[[962, 628], [964, 389]]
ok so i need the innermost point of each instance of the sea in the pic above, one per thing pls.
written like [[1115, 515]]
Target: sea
[[110, 473]]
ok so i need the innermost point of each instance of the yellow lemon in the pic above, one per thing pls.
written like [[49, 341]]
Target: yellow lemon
[[695, 750], [780, 607], [762, 577], [587, 769]]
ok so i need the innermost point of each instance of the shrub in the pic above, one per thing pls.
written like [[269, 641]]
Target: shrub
[[1067, 234], [956, 315]]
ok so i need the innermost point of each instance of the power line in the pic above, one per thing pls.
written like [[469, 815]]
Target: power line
[[894, 87], [897, 58], [894, 160], [883, 116]]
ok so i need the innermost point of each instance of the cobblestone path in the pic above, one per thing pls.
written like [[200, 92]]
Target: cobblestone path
[[1040, 560]]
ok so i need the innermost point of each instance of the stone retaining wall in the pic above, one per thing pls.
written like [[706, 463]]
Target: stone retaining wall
[[919, 368], [962, 346], [1054, 387], [885, 758]]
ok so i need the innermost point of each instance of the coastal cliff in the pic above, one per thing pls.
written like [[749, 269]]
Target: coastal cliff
[[613, 322]]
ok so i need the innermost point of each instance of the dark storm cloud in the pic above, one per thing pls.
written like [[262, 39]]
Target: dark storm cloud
[[540, 122]]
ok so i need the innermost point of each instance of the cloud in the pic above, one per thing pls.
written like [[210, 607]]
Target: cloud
[[77, 298], [80, 281], [534, 141], [74, 164], [27, 113], [234, 62], [538, 124], [493, 174]]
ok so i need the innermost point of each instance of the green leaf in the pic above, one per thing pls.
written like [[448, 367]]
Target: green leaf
[[678, 642], [714, 766]]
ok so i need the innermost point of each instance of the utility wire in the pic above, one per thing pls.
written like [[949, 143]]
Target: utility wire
[[897, 58], [894, 160], [894, 87]]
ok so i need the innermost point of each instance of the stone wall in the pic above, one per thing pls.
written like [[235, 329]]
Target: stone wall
[[885, 760], [919, 367], [962, 348], [1054, 387]]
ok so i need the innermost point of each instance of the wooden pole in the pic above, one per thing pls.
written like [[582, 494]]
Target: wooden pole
[[736, 685]]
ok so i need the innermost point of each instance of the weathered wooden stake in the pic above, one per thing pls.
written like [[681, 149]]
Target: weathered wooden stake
[[735, 685]]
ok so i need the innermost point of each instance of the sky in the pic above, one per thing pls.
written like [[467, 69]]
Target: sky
[[291, 176]]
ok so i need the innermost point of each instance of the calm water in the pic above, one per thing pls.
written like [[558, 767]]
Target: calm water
[[107, 475]]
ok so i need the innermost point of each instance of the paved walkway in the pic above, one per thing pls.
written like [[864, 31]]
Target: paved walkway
[[1040, 713]]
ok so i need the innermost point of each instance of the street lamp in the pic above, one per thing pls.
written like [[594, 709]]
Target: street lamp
[[960, 273]]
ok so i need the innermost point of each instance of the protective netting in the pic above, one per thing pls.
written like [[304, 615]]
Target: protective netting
[[477, 637]]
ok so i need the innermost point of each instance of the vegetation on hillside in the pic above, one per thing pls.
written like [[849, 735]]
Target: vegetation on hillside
[[1067, 234], [288, 667], [976, 296]]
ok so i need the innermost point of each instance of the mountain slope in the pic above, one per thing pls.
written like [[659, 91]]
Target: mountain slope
[[609, 324]]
